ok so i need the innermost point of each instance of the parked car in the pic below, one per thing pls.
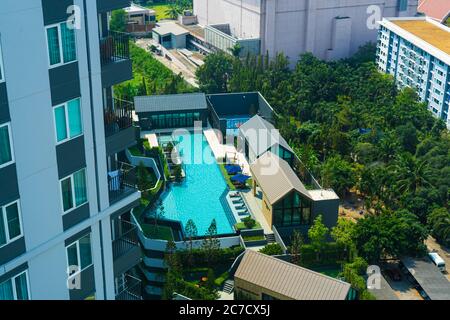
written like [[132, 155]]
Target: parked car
[[394, 274]]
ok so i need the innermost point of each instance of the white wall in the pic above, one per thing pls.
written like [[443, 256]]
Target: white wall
[[297, 26]]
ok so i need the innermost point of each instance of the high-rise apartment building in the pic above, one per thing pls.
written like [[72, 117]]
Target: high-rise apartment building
[[65, 196], [416, 52]]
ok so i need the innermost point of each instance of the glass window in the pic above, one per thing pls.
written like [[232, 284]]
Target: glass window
[[66, 190], [79, 181], [68, 43], [2, 76], [85, 251], [15, 288], [74, 190], [61, 44], [53, 46], [13, 220], [79, 254], [10, 224], [6, 156], [68, 121]]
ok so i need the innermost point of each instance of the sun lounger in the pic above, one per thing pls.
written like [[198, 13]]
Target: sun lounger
[[241, 207], [238, 201], [235, 195]]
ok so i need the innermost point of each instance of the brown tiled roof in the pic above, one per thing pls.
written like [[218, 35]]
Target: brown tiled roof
[[289, 280]]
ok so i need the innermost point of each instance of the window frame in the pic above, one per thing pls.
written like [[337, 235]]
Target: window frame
[[60, 46], [5, 222], [2, 69], [11, 145], [72, 186], [13, 281], [65, 105], [77, 243]]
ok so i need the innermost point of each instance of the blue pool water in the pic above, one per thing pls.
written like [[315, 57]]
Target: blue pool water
[[198, 197]]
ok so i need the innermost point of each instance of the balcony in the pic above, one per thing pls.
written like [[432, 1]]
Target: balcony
[[126, 249], [110, 5], [115, 58], [119, 130], [122, 182], [131, 289]]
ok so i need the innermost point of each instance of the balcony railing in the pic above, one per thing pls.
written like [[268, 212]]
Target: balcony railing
[[131, 290], [114, 47], [119, 117], [122, 181], [127, 239]]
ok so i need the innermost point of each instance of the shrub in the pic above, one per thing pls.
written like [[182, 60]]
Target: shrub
[[272, 249], [249, 222]]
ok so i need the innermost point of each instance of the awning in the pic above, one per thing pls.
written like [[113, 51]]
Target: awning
[[233, 168], [241, 178]]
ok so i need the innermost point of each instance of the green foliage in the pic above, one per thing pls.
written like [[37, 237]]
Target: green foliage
[[354, 274], [249, 222], [210, 244], [151, 77], [337, 174], [352, 128], [118, 20], [296, 246], [143, 178], [439, 221], [392, 234], [272, 249], [318, 234], [177, 172]]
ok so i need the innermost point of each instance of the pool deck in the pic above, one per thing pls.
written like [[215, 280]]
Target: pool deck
[[220, 151], [255, 207]]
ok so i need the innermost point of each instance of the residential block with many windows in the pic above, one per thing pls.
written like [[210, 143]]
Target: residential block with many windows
[[65, 195], [416, 52]]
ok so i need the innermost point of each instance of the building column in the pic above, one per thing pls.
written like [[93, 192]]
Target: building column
[[269, 28], [310, 26]]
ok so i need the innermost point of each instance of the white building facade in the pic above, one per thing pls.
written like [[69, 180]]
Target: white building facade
[[331, 29], [61, 222], [416, 52]]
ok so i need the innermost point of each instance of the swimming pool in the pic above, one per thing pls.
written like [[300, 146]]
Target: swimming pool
[[201, 196]]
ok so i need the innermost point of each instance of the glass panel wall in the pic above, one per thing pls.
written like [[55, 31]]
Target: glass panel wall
[[293, 210], [174, 120]]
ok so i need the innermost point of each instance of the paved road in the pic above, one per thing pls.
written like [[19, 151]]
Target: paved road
[[177, 66]]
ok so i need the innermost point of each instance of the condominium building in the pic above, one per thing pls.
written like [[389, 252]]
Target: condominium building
[[64, 195], [331, 29], [416, 52]]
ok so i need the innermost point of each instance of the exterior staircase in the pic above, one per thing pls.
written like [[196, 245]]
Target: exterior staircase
[[270, 238], [228, 286]]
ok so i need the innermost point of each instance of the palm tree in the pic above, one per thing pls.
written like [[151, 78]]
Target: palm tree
[[439, 220], [173, 11], [411, 173], [236, 50]]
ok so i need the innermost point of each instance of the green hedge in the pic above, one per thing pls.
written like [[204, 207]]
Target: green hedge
[[331, 254], [199, 257]]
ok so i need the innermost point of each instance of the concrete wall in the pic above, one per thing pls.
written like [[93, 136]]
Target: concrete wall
[[298, 26]]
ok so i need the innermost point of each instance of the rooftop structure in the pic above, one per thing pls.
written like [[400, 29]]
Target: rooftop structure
[[416, 52], [436, 9], [428, 276], [276, 177], [262, 277], [170, 35], [261, 136]]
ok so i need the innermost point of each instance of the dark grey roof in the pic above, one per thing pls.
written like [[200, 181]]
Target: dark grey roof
[[288, 279], [265, 134], [432, 281], [172, 102]]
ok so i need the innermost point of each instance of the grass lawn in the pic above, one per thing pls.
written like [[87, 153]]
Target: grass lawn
[[253, 238], [160, 232], [226, 176], [448, 22], [161, 10], [241, 225], [328, 271]]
